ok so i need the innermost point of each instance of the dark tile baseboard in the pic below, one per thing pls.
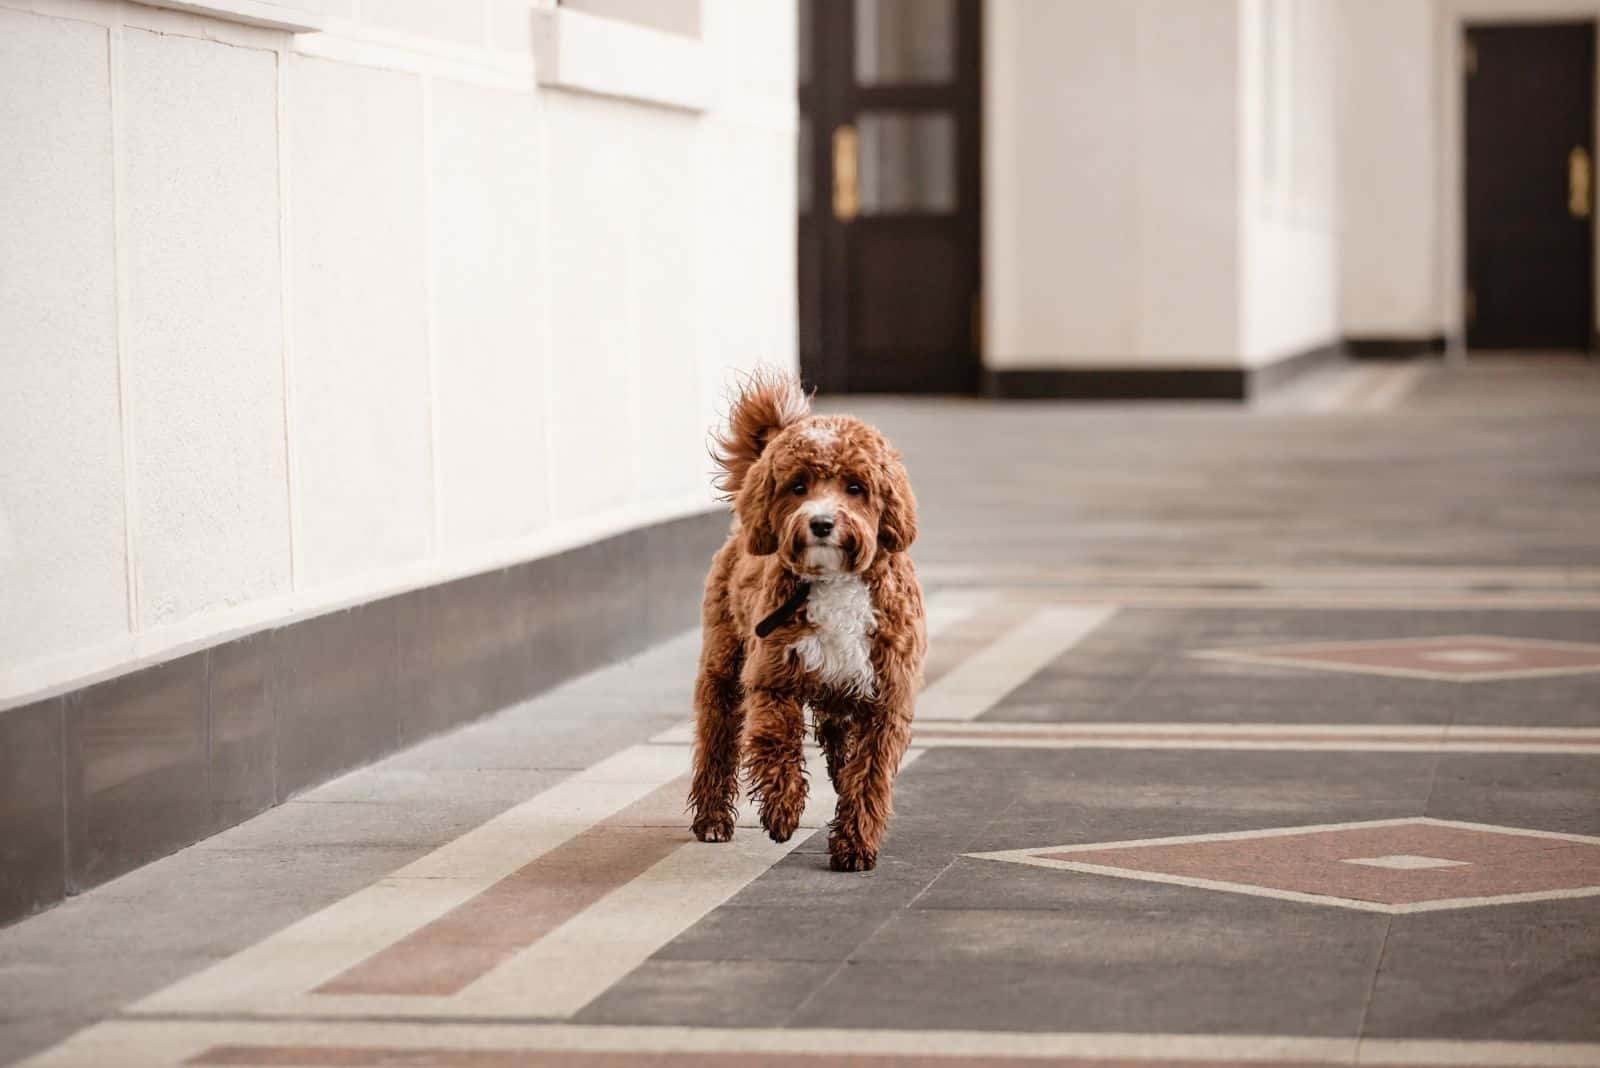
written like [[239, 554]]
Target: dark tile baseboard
[[1151, 383], [98, 781], [1117, 383], [1395, 348]]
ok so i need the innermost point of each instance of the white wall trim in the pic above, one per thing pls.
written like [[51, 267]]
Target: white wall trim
[[337, 39], [588, 54], [272, 16], [115, 14], [83, 667], [576, 51], [345, 41]]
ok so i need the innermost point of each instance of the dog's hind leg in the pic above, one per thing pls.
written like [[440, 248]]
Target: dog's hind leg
[[834, 730], [718, 725]]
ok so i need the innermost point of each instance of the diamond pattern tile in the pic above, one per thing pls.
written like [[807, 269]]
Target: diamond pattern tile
[[1408, 865], [1457, 658]]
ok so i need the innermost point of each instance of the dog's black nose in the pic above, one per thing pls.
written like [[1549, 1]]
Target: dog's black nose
[[821, 527]]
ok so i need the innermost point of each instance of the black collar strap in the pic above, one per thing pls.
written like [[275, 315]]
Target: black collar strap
[[786, 611]]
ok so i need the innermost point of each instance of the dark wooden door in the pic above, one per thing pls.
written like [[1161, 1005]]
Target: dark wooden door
[[1529, 163], [889, 200]]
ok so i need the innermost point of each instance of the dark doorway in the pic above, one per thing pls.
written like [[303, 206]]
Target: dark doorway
[[889, 199], [1530, 175]]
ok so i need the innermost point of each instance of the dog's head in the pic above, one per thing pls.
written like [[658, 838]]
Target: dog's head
[[828, 495]]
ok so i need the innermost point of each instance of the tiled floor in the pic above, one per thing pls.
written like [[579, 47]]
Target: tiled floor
[[1251, 735]]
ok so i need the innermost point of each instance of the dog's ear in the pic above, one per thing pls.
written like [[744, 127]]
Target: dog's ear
[[897, 527], [753, 506]]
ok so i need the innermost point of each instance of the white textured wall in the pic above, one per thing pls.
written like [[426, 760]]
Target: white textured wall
[[1127, 223], [204, 334], [390, 313], [62, 544], [1388, 116], [1189, 181], [1289, 289], [360, 314], [1061, 196], [589, 238], [493, 396], [665, 326], [1111, 182]]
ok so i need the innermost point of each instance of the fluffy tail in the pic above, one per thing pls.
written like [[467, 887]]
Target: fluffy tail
[[768, 401]]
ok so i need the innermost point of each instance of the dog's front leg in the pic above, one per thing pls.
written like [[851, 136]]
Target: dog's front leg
[[775, 729], [866, 782], [718, 699]]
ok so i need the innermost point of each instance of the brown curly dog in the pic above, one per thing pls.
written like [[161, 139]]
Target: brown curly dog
[[812, 601]]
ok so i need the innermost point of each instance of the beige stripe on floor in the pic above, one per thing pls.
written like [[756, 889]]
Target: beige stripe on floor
[[380, 1057], [951, 646], [981, 681], [1337, 737], [949, 608], [166, 1043]]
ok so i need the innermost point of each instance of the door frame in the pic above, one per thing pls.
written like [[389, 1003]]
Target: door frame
[[1451, 20], [827, 92]]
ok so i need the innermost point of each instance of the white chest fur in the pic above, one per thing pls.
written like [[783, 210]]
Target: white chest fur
[[838, 650]]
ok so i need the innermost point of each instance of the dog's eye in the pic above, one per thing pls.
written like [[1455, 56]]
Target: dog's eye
[[799, 487], [855, 489]]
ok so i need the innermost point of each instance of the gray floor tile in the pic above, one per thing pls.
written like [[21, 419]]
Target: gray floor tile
[[737, 993], [25, 1035], [911, 860], [800, 931], [1544, 792], [1138, 668], [1507, 972], [94, 953], [1109, 795], [1090, 995], [381, 785], [1252, 934], [302, 823]]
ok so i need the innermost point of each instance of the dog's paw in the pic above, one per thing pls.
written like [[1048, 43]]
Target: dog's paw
[[780, 820], [714, 828], [842, 857], [852, 861]]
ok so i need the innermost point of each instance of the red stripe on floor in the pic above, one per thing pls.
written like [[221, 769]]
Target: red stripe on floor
[[439, 1057], [469, 941]]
